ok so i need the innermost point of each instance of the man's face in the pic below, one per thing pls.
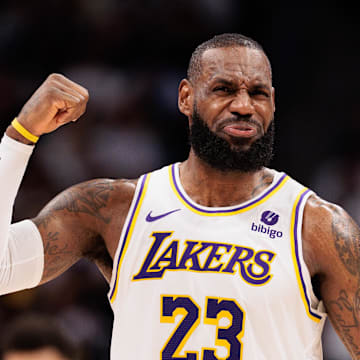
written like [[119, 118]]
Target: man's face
[[234, 94], [233, 97]]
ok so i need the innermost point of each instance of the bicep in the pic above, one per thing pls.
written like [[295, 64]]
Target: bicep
[[61, 250], [339, 259], [65, 242], [71, 226]]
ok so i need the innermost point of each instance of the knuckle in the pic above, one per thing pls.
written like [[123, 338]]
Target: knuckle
[[84, 94], [51, 92], [55, 77], [51, 95]]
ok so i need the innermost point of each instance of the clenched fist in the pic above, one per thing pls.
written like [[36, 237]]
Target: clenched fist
[[56, 102]]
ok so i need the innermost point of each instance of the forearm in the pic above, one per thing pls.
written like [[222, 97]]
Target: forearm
[[21, 249]]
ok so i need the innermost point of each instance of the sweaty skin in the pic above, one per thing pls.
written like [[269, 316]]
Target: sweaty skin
[[86, 219]]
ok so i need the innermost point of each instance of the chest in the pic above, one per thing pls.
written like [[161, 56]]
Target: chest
[[246, 248]]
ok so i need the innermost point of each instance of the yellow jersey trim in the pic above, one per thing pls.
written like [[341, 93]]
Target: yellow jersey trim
[[295, 256], [128, 232]]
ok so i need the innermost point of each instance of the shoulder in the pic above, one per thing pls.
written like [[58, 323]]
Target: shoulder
[[94, 197], [98, 206], [321, 212], [330, 235]]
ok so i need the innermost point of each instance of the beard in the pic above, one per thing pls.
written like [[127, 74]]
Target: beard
[[221, 155]]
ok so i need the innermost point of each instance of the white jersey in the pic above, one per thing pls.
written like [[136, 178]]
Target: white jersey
[[205, 283]]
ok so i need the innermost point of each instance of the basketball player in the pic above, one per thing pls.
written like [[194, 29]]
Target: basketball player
[[217, 257]]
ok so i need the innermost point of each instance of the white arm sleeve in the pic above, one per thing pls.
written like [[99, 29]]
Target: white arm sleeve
[[20, 246], [22, 265]]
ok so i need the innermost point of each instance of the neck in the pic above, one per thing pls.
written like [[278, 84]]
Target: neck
[[210, 187]]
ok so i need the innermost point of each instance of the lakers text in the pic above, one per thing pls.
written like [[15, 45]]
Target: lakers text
[[166, 254]]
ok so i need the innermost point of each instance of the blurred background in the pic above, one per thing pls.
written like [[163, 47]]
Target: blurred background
[[131, 56]]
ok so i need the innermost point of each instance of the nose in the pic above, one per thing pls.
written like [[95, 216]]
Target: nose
[[242, 104]]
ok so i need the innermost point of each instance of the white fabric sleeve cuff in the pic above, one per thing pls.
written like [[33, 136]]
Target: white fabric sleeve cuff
[[17, 145]]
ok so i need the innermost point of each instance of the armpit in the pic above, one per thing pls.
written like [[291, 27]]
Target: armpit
[[98, 254]]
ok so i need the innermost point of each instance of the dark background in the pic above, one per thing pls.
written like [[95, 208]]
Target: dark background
[[131, 56]]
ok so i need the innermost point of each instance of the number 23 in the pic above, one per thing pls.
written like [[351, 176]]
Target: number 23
[[216, 308]]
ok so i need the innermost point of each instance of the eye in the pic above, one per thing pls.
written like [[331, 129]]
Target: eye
[[222, 88], [260, 93]]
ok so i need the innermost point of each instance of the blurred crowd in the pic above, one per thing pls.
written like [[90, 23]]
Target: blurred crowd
[[131, 55]]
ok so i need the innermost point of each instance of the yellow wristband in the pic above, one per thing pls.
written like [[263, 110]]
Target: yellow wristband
[[26, 134]]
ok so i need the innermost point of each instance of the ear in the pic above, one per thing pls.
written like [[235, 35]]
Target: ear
[[186, 97], [273, 97]]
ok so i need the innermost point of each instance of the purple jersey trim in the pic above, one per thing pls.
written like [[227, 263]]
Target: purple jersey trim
[[223, 211], [297, 253], [127, 233]]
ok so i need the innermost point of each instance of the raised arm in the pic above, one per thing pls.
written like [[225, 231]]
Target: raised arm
[[332, 252], [56, 102], [82, 221]]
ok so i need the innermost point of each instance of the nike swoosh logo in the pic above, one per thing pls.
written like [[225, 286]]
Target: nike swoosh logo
[[150, 218]]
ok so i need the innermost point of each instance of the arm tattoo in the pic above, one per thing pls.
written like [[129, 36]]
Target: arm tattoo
[[54, 254], [344, 308], [88, 198], [346, 237], [68, 238], [44, 220]]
